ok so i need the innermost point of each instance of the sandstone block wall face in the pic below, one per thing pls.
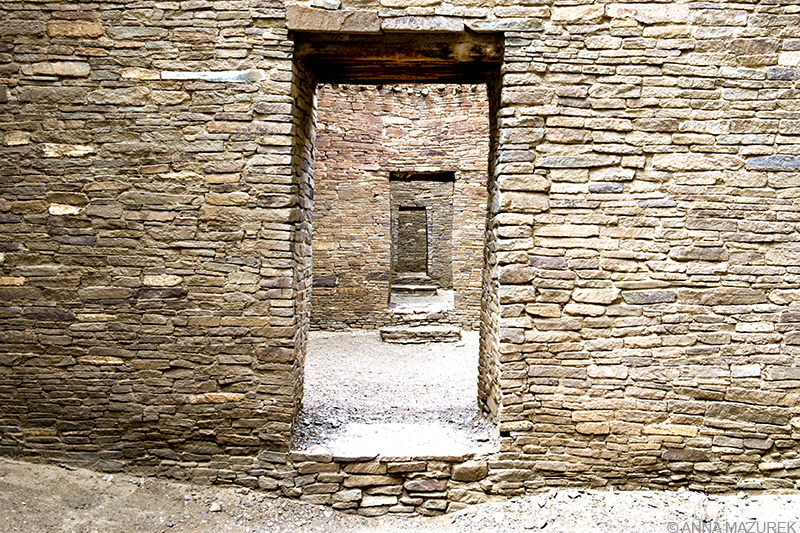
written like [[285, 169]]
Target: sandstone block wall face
[[640, 313], [148, 214], [365, 134]]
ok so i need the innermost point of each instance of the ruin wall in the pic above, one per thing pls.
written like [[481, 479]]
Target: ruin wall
[[641, 302]]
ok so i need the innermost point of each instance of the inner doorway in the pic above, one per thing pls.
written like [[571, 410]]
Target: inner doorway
[[411, 244]]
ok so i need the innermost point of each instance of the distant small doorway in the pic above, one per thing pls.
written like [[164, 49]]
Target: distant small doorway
[[412, 240]]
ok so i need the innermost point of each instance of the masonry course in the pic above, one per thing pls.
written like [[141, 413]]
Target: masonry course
[[156, 247]]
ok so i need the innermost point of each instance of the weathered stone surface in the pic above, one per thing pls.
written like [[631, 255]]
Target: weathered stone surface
[[605, 188], [54, 95], [66, 150], [789, 59], [585, 161], [783, 372], [650, 13], [693, 162], [10, 28], [74, 28], [128, 96], [136, 33], [470, 471], [776, 163], [608, 371], [699, 253], [596, 296], [217, 397], [425, 485], [62, 68], [369, 480], [593, 428], [352, 495], [723, 296], [609, 90], [423, 24], [748, 413], [375, 501], [61, 209], [577, 14], [217, 76], [162, 280], [47, 313], [504, 24], [624, 233], [648, 297], [524, 202], [301, 18]]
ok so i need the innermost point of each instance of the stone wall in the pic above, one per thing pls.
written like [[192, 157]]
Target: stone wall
[[377, 485], [640, 304], [366, 134]]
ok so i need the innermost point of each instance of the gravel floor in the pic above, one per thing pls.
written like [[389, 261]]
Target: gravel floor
[[37, 498], [405, 392]]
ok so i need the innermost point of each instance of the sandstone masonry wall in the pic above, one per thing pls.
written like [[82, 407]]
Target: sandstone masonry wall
[[366, 133], [641, 307]]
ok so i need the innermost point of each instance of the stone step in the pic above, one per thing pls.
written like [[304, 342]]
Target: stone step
[[412, 278], [419, 334], [414, 290]]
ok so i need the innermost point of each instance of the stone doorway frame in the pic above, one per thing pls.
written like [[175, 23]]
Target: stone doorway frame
[[402, 57], [438, 252]]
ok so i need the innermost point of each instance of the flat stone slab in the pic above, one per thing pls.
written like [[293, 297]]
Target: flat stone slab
[[404, 440], [419, 334], [421, 290], [413, 304]]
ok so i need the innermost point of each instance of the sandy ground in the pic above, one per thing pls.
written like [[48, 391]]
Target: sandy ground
[[37, 498], [362, 395]]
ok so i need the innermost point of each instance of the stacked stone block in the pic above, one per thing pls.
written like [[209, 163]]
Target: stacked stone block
[[377, 485]]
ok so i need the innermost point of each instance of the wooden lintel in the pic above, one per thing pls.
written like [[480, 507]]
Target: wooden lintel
[[399, 58]]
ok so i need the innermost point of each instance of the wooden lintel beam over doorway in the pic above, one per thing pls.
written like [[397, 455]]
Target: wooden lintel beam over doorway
[[400, 57]]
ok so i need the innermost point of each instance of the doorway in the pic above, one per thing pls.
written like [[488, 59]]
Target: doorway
[[390, 59]]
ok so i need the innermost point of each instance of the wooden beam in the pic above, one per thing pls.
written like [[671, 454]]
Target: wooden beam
[[397, 58]]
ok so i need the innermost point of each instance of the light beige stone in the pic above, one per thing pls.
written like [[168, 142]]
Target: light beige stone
[[62, 68], [650, 13], [162, 280], [100, 360], [74, 28], [577, 14], [136, 73], [216, 397], [670, 429], [607, 371], [126, 96], [683, 162], [596, 296], [66, 150], [17, 138], [789, 59], [62, 209]]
